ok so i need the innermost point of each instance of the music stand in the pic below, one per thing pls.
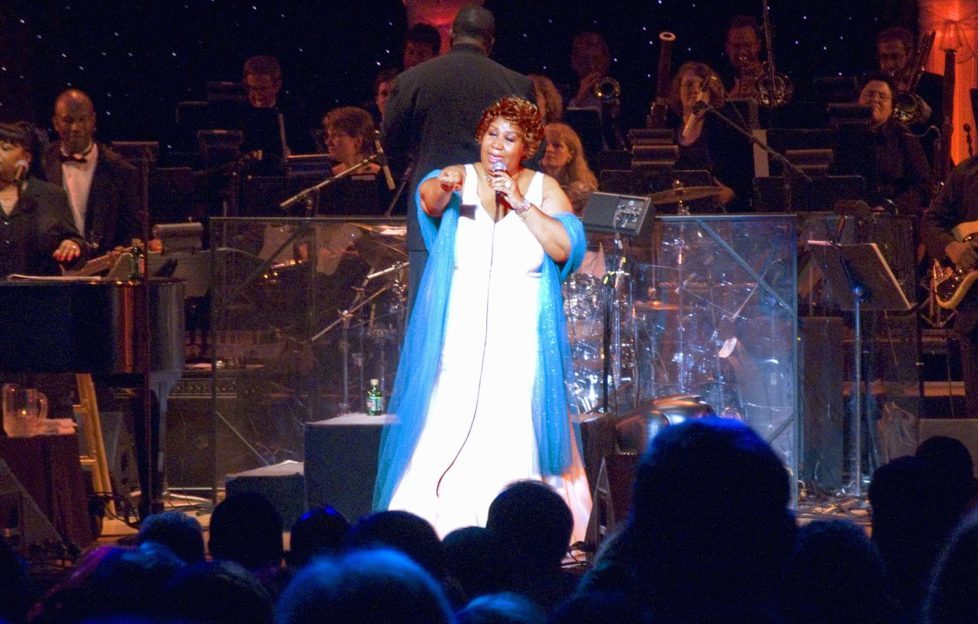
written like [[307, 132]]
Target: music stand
[[857, 276]]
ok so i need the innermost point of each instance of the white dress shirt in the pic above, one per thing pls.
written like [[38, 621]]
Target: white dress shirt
[[76, 177]]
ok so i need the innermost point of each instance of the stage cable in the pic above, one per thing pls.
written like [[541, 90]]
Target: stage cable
[[485, 336]]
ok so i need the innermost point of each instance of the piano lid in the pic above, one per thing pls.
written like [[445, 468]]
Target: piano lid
[[89, 326]]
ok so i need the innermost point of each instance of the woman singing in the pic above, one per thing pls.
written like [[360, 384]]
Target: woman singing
[[479, 397], [37, 233]]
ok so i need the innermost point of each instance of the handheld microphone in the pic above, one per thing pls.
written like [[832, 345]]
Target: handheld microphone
[[20, 170], [382, 161], [698, 107], [498, 166]]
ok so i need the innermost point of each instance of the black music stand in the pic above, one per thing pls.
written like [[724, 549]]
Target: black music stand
[[859, 276], [631, 215]]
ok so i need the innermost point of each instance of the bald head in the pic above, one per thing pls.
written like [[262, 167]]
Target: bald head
[[74, 121], [474, 24]]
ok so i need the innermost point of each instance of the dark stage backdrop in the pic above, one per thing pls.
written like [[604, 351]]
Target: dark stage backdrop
[[137, 59]]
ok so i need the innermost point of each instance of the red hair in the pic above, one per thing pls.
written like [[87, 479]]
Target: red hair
[[521, 113]]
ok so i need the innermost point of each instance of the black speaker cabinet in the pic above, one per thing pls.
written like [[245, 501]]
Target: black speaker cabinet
[[821, 365], [282, 484], [252, 428], [341, 463]]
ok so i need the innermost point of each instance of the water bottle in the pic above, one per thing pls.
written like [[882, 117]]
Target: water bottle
[[375, 399], [137, 261]]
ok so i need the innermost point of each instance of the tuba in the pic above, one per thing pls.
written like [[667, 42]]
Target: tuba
[[909, 107]]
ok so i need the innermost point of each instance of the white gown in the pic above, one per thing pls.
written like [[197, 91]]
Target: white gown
[[478, 435]]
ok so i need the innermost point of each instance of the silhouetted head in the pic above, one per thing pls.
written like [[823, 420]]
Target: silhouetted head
[[247, 529], [403, 531], [502, 608], [221, 592], [951, 597], [476, 560], [474, 24], [319, 531], [835, 575], [365, 586], [177, 531], [533, 521]]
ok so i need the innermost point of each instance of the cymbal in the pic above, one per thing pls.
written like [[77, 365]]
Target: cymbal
[[378, 253], [684, 193], [655, 306]]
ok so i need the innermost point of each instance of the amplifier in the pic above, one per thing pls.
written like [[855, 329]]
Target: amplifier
[[617, 214]]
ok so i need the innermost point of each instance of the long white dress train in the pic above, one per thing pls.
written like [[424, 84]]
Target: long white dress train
[[478, 435]]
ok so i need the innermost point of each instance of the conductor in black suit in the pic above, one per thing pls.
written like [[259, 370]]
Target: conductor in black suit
[[102, 187], [434, 106]]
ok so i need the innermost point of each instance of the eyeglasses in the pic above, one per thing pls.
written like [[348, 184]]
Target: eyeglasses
[[882, 96]]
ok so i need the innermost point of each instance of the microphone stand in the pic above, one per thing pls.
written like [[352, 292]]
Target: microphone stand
[[307, 193], [776, 155], [405, 179]]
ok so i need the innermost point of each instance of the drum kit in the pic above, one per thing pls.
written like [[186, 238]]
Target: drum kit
[[660, 328]]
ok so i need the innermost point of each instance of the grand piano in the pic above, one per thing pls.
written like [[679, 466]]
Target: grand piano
[[101, 327]]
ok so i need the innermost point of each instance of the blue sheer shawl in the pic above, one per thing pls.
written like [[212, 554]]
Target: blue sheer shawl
[[421, 353]]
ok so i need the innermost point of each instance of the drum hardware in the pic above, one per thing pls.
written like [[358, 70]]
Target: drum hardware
[[344, 323], [679, 194]]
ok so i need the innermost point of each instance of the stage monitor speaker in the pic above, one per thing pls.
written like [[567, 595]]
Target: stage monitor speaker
[[249, 432], [341, 463], [282, 484], [963, 429], [22, 523], [821, 361], [612, 496], [612, 213]]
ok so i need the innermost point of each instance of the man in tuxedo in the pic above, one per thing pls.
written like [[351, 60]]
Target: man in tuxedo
[[431, 115], [102, 187]]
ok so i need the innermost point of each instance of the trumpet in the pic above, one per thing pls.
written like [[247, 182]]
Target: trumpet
[[608, 90]]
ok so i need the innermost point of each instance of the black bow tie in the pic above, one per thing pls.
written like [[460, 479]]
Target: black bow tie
[[74, 158]]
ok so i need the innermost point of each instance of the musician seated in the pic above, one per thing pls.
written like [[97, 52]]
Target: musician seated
[[900, 59], [564, 160], [897, 175], [350, 137], [705, 143], [350, 133], [548, 98], [38, 236]]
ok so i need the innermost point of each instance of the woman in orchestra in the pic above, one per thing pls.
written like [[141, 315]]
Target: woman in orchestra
[[704, 144], [350, 136], [900, 173], [549, 100], [480, 398], [38, 235], [564, 160]]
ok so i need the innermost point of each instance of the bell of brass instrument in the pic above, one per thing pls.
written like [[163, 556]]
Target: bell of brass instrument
[[608, 90], [772, 95], [908, 107]]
